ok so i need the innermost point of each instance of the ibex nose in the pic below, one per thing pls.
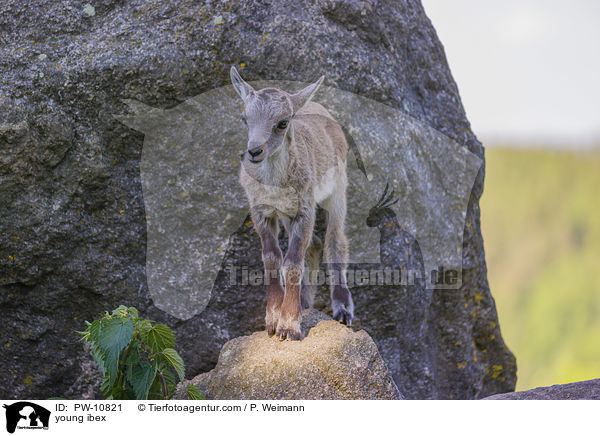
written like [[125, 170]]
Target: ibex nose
[[256, 152]]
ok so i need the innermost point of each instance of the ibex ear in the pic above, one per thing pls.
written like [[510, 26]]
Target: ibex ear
[[302, 97], [240, 86]]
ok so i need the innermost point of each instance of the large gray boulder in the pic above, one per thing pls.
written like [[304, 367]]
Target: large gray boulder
[[331, 363], [72, 214]]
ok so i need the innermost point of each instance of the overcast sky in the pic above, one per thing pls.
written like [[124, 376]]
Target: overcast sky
[[526, 69]]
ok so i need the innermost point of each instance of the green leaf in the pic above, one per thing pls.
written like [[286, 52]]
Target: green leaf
[[194, 393], [144, 325], [134, 355], [98, 357], [174, 359], [111, 363], [85, 335], [128, 393], [115, 334], [158, 338], [118, 393], [106, 388], [156, 390], [170, 378], [131, 360], [133, 311], [94, 330], [142, 377], [171, 381], [120, 311]]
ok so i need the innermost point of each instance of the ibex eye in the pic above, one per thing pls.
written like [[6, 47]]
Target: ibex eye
[[282, 124], [244, 120]]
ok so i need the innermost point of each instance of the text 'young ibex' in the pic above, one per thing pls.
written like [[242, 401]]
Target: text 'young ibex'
[[296, 159]]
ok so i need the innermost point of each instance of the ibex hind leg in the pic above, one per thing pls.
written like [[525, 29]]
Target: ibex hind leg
[[313, 261], [336, 255]]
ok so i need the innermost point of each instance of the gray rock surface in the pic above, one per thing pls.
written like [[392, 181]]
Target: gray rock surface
[[584, 390], [72, 217], [331, 363]]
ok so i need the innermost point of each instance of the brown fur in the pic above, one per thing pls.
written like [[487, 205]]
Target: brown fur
[[285, 174]]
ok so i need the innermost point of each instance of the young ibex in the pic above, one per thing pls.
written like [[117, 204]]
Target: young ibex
[[296, 159]]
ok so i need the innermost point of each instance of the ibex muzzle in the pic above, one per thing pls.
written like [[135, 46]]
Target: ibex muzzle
[[256, 152], [302, 151]]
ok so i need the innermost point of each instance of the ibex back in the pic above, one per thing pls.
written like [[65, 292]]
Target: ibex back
[[296, 159]]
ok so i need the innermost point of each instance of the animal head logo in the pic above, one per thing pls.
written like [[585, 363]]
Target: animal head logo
[[194, 201], [26, 415]]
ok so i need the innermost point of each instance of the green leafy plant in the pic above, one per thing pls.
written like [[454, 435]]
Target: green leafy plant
[[194, 393], [136, 357]]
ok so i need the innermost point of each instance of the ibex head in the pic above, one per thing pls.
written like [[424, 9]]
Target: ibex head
[[268, 114]]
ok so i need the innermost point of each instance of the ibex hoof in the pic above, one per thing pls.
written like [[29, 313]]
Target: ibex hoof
[[344, 316], [289, 329], [293, 334], [271, 328]]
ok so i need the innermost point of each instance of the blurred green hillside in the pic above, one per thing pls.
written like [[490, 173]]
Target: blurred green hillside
[[541, 227]]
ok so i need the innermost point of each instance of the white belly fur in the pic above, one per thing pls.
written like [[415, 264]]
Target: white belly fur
[[326, 185]]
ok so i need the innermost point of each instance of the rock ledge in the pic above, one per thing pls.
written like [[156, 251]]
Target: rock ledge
[[583, 390], [331, 363]]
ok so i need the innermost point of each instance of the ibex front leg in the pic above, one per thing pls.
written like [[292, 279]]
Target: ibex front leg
[[299, 236], [268, 230]]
